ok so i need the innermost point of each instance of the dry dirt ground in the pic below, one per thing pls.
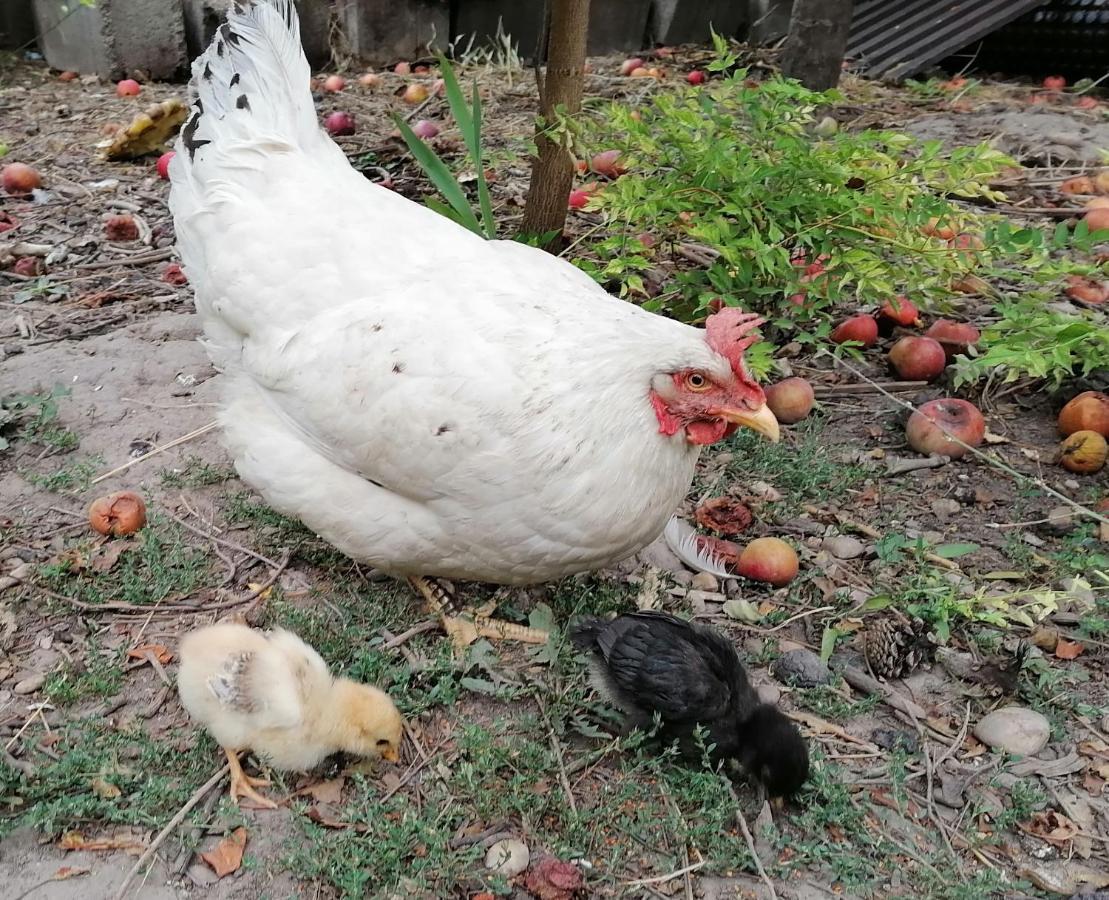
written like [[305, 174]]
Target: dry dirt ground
[[99, 365]]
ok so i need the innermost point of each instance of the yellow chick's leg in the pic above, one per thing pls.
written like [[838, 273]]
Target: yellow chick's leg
[[465, 627], [242, 785]]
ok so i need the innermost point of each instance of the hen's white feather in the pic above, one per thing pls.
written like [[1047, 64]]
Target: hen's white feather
[[681, 538]]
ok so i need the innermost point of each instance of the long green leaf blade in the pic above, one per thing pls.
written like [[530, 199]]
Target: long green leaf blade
[[440, 176], [484, 200]]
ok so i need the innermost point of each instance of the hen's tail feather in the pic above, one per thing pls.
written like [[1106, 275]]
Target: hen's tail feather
[[251, 84]]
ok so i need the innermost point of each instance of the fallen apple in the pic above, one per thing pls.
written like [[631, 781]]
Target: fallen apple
[[1089, 411], [402, 68], [1055, 82], [938, 228], [414, 93], [120, 513], [162, 165], [696, 77], [790, 400], [1083, 452], [863, 329], [607, 164], [1097, 219], [954, 337], [630, 65], [900, 310], [128, 88], [918, 358], [939, 426], [121, 228], [1079, 184], [334, 83], [369, 80], [19, 179], [1086, 290], [768, 559]]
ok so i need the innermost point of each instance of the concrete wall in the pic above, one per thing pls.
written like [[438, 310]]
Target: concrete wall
[[114, 38], [384, 31], [689, 21], [203, 17]]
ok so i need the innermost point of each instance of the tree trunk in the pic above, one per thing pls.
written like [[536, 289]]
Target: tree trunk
[[552, 172], [818, 32]]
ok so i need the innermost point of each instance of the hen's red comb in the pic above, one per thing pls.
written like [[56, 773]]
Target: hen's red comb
[[728, 333]]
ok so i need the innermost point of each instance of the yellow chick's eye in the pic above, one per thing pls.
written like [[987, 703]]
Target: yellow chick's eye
[[383, 743], [695, 381]]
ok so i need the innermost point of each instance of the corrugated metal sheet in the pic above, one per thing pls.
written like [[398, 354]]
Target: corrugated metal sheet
[[897, 38]]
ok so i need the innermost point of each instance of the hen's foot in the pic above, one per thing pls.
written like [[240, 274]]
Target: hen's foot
[[466, 627], [242, 785]]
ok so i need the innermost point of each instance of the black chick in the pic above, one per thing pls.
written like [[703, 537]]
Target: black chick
[[690, 675]]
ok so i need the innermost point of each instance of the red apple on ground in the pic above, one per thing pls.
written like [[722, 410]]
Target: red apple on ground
[[932, 426], [163, 163], [128, 88], [1055, 83], [900, 310], [696, 77], [1089, 411], [790, 400], [768, 559], [918, 358], [630, 65], [954, 337], [858, 328]]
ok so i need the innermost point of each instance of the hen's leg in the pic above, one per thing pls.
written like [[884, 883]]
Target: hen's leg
[[242, 785], [466, 627]]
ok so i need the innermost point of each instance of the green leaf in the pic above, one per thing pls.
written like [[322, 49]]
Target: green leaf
[[440, 176], [542, 617], [478, 685], [742, 611], [828, 642], [954, 551]]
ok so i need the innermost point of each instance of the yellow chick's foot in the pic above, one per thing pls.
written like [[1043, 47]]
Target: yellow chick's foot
[[465, 628], [242, 785]]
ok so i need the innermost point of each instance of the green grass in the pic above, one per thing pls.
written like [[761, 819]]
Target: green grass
[[73, 477], [274, 533], [98, 676], [160, 563], [154, 779], [800, 467], [195, 472], [829, 703]]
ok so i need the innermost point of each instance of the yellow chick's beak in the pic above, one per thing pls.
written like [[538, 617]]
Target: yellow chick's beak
[[761, 420], [390, 755]]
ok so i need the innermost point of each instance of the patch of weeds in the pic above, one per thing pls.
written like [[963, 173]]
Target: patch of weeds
[[158, 563], [153, 777], [592, 595], [99, 676], [1025, 798], [1050, 690], [33, 418], [74, 477], [828, 703], [195, 473], [275, 532], [800, 467]]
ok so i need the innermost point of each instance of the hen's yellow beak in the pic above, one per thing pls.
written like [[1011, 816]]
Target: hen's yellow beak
[[761, 420], [390, 755]]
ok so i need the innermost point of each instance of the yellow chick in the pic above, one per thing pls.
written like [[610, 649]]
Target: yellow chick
[[273, 694]]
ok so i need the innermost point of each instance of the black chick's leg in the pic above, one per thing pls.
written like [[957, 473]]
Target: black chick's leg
[[465, 627]]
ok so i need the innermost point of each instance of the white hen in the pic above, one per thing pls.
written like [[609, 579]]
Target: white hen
[[427, 401]]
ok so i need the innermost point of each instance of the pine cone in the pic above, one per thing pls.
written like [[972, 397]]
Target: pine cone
[[896, 645]]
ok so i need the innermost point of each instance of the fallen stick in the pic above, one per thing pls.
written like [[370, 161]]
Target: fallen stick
[[836, 390], [165, 832], [902, 466], [742, 822], [863, 682], [204, 429]]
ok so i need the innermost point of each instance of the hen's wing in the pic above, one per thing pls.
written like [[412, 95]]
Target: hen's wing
[[252, 684]]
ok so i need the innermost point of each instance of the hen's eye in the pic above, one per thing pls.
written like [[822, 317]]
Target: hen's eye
[[696, 381]]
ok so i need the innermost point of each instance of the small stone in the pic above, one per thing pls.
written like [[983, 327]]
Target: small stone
[[1060, 520], [769, 693], [508, 857], [704, 581], [945, 508], [1014, 729], [805, 526], [705, 597], [933, 537], [801, 668], [843, 546], [6, 581], [1045, 638], [23, 572], [30, 684], [895, 739], [201, 875]]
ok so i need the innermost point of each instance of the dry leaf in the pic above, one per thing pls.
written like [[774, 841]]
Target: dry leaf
[[724, 516], [1092, 784], [330, 791], [160, 652], [1050, 826], [107, 555], [990, 438], [228, 853], [256, 589], [325, 815], [1068, 649], [74, 840], [67, 872], [105, 789]]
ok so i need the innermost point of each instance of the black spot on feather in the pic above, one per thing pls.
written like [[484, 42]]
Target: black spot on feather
[[188, 136], [207, 73], [442, 429], [242, 103], [234, 80], [219, 48], [377, 326], [398, 368], [199, 105], [375, 483]]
